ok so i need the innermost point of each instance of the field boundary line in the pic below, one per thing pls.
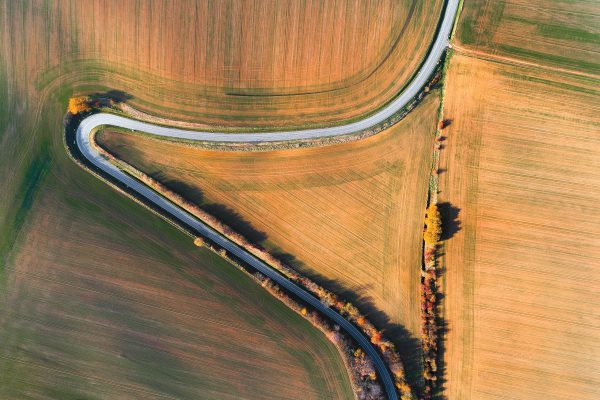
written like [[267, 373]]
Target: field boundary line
[[502, 59]]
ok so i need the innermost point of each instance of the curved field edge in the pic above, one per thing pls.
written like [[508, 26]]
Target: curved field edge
[[365, 126]]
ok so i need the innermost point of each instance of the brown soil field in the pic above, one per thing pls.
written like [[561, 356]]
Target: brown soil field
[[349, 215], [102, 299], [551, 32], [232, 63], [522, 164]]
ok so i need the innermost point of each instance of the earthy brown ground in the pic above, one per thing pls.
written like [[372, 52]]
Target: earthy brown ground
[[347, 214], [523, 167], [232, 63]]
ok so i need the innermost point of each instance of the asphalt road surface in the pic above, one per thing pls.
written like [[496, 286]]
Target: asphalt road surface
[[104, 119]]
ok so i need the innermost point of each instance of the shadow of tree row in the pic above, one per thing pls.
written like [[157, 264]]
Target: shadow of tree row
[[226, 215], [407, 345]]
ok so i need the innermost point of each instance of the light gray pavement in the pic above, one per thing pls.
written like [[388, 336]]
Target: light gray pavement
[[104, 119]]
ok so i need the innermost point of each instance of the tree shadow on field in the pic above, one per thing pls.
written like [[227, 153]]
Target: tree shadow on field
[[443, 330], [442, 333], [235, 221], [445, 123], [224, 214], [407, 345], [117, 96], [450, 221], [183, 189]]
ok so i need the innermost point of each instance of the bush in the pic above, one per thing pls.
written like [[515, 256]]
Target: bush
[[433, 225], [78, 105]]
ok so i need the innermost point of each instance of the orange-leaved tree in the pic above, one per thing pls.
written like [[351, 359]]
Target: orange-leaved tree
[[433, 225], [78, 105]]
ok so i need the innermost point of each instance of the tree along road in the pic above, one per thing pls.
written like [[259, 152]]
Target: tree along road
[[88, 125]]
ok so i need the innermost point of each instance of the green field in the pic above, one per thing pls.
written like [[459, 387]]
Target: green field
[[556, 33]]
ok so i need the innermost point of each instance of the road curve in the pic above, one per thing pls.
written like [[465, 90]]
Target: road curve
[[88, 125], [412, 90]]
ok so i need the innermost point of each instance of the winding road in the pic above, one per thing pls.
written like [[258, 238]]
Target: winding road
[[89, 124]]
